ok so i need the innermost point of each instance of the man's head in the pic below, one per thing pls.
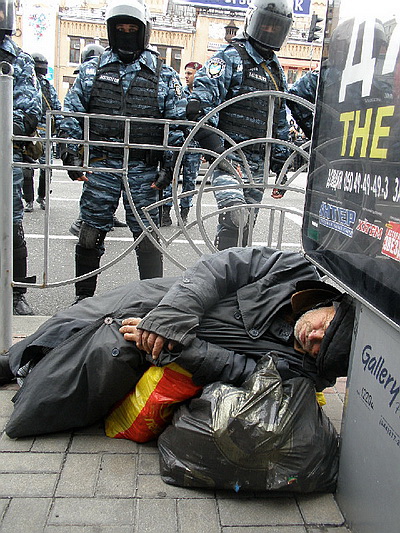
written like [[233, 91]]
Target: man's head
[[190, 70], [267, 24], [41, 64], [128, 27], [91, 50], [311, 327], [6, 18], [324, 328]]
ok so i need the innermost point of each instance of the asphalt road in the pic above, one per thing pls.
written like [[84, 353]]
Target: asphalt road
[[64, 209]]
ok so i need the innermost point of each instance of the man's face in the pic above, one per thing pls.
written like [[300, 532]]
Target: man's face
[[311, 327], [189, 77], [127, 28]]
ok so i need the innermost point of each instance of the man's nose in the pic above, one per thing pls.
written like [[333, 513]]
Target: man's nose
[[316, 334]]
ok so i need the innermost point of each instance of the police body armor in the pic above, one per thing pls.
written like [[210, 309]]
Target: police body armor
[[140, 100], [247, 118]]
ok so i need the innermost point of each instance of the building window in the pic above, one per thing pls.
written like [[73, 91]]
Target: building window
[[291, 76], [89, 41], [162, 50], [103, 43], [74, 50], [176, 57]]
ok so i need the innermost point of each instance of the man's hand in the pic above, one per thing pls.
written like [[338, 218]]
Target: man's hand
[[73, 160], [145, 340], [163, 179]]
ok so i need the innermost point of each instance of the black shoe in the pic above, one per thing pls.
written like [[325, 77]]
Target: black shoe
[[166, 219], [118, 223], [6, 376], [76, 227], [80, 298], [279, 193], [28, 207], [184, 214], [42, 202], [20, 305]]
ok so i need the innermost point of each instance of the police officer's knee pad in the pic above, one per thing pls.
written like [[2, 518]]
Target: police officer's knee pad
[[90, 237]]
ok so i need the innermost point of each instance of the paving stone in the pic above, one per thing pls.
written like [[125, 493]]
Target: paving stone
[[198, 516], [154, 516], [101, 443], [15, 445], [148, 447], [320, 509], [265, 529], [26, 514], [28, 485], [6, 405], [92, 512], [88, 529], [117, 476], [259, 512], [79, 475], [31, 462], [152, 486], [149, 463], [51, 443], [324, 529], [4, 503]]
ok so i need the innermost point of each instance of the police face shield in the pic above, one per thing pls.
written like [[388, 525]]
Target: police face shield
[[268, 28]]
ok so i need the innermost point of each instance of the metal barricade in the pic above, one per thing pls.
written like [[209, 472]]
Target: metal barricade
[[195, 231]]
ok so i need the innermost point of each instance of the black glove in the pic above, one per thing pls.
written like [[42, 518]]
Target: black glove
[[17, 129], [193, 109], [163, 178], [72, 160]]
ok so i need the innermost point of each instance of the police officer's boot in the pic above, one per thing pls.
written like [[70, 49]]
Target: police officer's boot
[[228, 233], [150, 260], [20, 254], [166, 219], [86, 260], [184, 214]]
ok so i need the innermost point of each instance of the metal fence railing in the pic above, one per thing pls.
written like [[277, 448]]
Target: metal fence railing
[[275, 213]]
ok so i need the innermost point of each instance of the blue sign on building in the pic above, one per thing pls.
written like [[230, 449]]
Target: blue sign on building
[[300, 7]]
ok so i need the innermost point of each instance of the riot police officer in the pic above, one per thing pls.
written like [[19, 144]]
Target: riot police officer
[[129, 78], [248, 63], [50, 101], [26, 113], [190, 163]]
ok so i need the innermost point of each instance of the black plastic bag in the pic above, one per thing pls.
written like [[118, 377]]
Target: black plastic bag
[[264, 436]]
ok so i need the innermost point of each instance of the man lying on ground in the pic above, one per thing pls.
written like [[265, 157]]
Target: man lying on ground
[[216, 321]]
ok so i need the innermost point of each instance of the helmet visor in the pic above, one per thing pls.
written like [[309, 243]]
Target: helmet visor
[[6, 15], [268, 28]]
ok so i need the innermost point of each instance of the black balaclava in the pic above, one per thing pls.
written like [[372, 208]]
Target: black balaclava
[[128, 46]]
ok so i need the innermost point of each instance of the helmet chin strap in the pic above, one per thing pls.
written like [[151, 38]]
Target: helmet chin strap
[[265, 51]]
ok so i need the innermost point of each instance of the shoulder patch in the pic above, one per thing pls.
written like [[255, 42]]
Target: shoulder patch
[[178, 89], [215, 67]]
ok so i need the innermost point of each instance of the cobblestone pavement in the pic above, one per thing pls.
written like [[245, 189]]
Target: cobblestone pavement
[[83, 481]]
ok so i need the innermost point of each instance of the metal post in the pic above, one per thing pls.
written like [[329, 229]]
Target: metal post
[[6, 211]]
